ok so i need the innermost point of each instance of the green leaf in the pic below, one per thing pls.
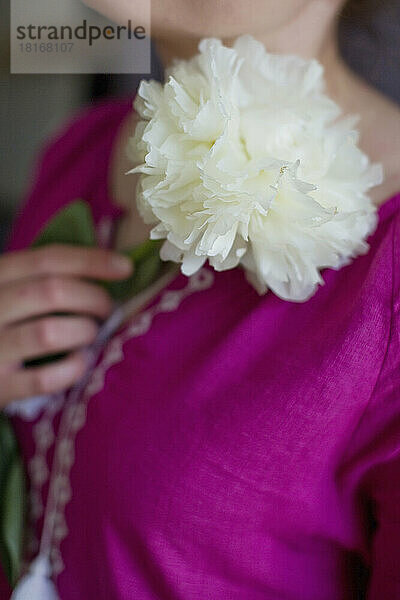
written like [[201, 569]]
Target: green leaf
[[147, 267], [147, 271], [73, 224], [7, 443], [12, 501], [13, 521], [142, 251]]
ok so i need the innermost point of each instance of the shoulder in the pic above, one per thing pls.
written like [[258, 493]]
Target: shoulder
[[73, 164]]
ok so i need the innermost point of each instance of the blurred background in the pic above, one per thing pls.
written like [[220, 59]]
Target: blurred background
[[33, 107]]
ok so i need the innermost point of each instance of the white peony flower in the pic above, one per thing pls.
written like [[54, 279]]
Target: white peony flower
[[244, 161]]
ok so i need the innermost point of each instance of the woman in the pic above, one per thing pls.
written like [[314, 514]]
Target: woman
[[227, 445]]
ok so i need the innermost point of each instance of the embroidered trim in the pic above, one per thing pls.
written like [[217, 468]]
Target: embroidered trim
[[44, 437], [76, 414]]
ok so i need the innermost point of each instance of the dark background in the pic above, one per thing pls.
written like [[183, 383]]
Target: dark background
[[32, 107]]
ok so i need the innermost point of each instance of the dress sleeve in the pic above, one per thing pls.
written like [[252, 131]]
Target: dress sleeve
[[73, 164], [374, 466]]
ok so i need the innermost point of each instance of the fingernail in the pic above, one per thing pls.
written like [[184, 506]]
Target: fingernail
[[121, 263]]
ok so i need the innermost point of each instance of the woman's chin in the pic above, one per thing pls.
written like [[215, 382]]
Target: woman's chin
[[207, 18]]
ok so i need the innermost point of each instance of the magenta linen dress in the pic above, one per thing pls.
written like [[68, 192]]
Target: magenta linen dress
[[229, 446]]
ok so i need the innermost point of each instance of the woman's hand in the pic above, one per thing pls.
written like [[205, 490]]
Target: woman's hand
[[35, 283]]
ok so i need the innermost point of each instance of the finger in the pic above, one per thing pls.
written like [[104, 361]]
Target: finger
[[44, 337], [60, 259], [28, 298], [38, 381]]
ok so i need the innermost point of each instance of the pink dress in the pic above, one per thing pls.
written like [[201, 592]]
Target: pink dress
[[228, 445]]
